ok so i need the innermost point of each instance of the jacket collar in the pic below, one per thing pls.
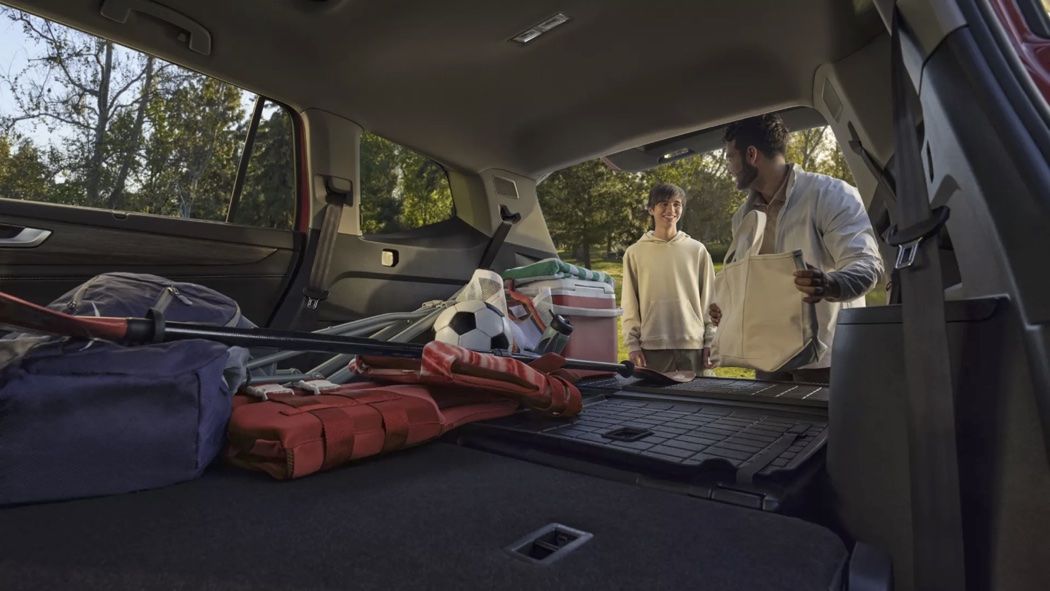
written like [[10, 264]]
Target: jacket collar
[[794, 171]]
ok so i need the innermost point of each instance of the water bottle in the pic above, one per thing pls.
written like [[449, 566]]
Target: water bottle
[[556, 336]]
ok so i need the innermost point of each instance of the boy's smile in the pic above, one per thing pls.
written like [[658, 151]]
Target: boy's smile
[[667, 213]]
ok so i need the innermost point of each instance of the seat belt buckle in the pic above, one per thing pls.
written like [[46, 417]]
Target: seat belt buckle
[[312, 298], [908, 240], [906, 253]]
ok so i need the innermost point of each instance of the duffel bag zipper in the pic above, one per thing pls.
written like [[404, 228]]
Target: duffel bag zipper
[[73, 304], [167, 294]]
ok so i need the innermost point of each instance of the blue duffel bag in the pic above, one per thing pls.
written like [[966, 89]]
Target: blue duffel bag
[[83, 418]]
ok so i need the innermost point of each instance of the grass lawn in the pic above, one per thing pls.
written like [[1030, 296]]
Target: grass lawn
[[615, 268]]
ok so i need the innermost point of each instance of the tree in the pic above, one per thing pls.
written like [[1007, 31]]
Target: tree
[[816, 150], [268, 196], [400, 189], [23, 172], [806, 147], [379, 179], [84, 89], [711, 194], [192, 151], [589, 205], [426, 197]]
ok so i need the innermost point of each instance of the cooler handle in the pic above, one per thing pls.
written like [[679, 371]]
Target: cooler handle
[[587, 312]]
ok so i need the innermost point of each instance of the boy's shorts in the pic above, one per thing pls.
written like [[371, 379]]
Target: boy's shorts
[[671, 360]]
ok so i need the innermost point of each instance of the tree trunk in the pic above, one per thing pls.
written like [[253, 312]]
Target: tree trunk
[[586, 252], [101, 124], [116, 197]]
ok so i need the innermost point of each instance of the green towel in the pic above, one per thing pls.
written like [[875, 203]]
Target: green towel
[[554, 269]]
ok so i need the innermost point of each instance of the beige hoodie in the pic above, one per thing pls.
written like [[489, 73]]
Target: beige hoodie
[[667, 286]]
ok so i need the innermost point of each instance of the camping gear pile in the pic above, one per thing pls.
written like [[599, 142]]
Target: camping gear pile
[[84, 414]]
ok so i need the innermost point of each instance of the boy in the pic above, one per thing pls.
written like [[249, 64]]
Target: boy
[[668, 279]]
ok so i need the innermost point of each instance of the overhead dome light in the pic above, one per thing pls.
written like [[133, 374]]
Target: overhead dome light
[[532, 33]]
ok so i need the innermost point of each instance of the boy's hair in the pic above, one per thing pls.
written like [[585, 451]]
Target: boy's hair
[[664, 192], [767, 133]]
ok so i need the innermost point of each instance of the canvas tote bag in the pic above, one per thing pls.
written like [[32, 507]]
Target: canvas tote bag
[[765, 324]]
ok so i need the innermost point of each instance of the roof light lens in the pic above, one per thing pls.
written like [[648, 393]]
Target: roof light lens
[[532, 33]]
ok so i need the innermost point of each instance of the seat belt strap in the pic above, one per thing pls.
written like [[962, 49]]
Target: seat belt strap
[[507, 219], [935, 492], [885, 184], [882, 208], [338, 193]]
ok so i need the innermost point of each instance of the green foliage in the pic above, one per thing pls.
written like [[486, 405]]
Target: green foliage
[[590, 206], [400, 189], [192, 153], [23, 171], [712, 195], [268, 196], [134, 133]]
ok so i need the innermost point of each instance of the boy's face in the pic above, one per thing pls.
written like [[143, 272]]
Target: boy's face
[[667, 213]]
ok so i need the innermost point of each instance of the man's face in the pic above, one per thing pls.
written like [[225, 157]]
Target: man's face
[[742, 172], [667, 213]]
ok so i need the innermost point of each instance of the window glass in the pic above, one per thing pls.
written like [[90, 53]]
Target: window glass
[[400, 189], [87, 122]]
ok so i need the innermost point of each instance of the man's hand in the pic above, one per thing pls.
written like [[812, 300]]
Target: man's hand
[[816, 285], [716, 314], [705, 357], [637, 358]]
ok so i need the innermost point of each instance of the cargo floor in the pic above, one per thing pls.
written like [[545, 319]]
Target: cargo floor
[[433, 517]]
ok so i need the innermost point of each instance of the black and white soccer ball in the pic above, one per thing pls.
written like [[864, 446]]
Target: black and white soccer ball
[[474, 324]]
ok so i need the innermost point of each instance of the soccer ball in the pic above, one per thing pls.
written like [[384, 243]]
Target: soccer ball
[[473, 324]]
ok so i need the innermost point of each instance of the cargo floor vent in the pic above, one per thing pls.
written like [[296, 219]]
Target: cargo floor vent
[[549, 543]]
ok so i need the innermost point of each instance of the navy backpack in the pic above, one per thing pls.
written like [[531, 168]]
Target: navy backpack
[[82, 418]]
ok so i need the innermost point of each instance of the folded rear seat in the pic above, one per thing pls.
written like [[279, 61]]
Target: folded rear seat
[[434, 517]]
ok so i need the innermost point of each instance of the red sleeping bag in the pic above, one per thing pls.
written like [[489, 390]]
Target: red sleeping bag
[[298, 432]]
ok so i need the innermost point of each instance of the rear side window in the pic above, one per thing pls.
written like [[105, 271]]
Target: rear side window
[[89, 123], [400, 189]]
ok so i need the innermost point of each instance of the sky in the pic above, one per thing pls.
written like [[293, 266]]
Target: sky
[[16, 49]]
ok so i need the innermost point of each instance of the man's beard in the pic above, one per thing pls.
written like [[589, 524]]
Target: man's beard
[[748, 174]]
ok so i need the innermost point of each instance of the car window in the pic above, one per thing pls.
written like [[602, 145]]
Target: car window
[[400, 189], [89, 123]]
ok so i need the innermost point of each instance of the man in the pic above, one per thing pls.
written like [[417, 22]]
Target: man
[[822, 216], [667, 285]]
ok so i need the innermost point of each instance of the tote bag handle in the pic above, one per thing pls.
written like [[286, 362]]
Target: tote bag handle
[[749, 230]]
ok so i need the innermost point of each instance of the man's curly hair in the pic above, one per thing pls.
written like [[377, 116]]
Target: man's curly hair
[[767, 133]]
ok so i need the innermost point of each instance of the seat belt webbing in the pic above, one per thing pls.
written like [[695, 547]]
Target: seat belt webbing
[[935, 493], [338, 193], [507, 219]]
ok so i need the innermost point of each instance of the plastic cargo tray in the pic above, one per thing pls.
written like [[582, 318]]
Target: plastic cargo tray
[[753, 455], [813, 395]]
